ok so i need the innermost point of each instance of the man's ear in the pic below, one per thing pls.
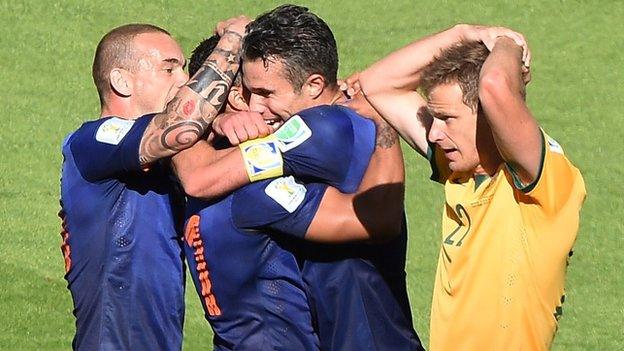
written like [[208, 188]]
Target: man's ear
[[236, 100], [314, 86], [121, 82]]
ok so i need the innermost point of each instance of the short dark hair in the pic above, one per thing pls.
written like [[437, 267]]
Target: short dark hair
[[299, 39], [116, 50], [201, 53], [461, 64]]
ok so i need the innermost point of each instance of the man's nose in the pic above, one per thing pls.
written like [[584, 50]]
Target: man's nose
[[435, 132]]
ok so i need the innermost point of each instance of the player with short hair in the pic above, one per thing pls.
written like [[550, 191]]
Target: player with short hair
[[121, 208], [249, 282], [512, 198], [357, 291]]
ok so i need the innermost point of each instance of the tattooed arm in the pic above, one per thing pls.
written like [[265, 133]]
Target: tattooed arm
[[189, 114]]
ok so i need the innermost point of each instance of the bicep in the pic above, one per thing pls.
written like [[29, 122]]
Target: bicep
[[405, 112]]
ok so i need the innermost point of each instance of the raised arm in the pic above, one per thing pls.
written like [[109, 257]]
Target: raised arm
[[191, 111], [501, 92], [391, 84]]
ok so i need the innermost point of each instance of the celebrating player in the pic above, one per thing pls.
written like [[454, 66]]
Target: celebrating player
[[512, 197], [242, 301], [120, 209]]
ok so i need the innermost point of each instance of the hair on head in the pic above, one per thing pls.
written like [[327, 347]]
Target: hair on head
[[461, 64], [116, 50], [299, 39]]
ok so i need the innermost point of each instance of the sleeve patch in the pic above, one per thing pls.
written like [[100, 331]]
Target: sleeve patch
[[292, 133], [263, 158], [113, 131], [553, 145], [286, 192]]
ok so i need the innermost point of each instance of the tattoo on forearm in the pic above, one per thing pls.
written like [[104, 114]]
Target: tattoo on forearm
[[386, 135], [206, 75], [189, 114]]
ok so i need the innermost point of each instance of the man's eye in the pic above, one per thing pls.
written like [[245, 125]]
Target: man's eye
[[169, 70]]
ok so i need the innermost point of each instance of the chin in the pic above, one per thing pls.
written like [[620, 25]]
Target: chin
[[460, 168]]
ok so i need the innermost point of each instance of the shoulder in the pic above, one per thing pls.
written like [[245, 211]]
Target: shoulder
[[335, 115]]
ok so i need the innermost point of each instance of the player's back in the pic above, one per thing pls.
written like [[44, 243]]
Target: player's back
[[357, 291], [117, 228], [250, 286]]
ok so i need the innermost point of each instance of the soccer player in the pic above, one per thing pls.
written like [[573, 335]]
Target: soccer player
[[120, 208], [512, 197], [357, 291], [262, 301]]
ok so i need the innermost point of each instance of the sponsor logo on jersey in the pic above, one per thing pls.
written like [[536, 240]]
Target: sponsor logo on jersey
[[292, 133], [113, 130], [286, 192]]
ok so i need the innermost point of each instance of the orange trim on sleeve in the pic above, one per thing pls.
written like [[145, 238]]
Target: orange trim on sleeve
[[193, 239]]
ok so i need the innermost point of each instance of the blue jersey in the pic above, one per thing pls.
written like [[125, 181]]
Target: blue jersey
[[336, 151], [249, 283], [357, 291], [122, 246]]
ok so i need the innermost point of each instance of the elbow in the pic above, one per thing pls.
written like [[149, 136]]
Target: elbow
[[195, 188], [191, 187], [493, 85]]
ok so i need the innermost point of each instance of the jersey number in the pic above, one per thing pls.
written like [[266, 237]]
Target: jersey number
[[461, 213]]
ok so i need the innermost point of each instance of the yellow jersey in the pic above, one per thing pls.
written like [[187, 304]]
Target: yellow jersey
[[501, 269]]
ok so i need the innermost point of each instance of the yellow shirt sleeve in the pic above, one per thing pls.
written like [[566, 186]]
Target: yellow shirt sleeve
[[558, 181]]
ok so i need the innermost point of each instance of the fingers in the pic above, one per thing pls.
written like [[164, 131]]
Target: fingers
[[351, 85], [519, 39], [234, 24], [241, 126]]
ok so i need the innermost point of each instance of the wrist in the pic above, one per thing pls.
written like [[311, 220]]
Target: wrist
[[463, 31]]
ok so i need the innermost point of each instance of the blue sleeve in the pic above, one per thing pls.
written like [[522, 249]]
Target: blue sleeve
[[108, 146], [254, 208], [338, 150]]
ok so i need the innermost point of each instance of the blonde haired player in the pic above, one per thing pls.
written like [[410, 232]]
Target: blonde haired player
[[512, 197]]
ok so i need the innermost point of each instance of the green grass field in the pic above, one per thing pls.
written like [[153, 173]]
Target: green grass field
[[577, 94]]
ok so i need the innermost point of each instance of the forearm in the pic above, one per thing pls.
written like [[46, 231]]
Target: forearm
[[501, 93], [189, 114], [391, 85], [208, 173], [401, 69]]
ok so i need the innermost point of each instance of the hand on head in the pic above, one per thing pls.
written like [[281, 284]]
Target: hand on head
[[489, 35], [235, 24]]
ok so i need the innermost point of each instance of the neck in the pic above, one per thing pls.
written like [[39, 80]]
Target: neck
[[330, 96], [488, 162], [121, 108]]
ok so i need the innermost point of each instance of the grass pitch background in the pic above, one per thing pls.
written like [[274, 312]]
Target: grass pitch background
[[46, 50]]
